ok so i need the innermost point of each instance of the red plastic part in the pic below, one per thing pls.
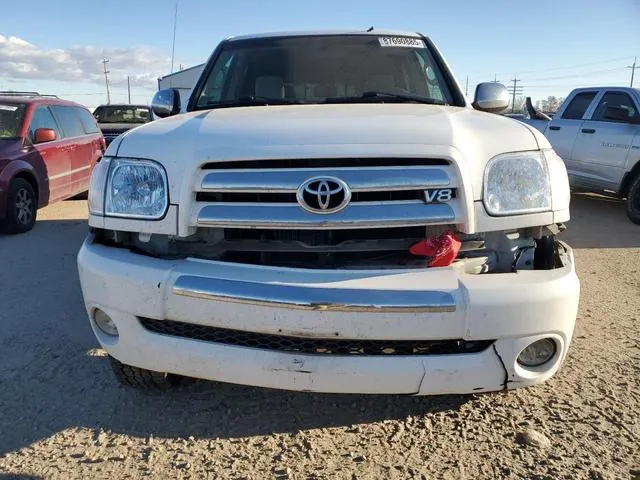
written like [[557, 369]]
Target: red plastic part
[[443, 249]]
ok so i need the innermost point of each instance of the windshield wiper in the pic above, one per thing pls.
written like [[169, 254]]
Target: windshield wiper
[[386, 97], [249, 102]]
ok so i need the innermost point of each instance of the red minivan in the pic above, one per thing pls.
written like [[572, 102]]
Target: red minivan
[[48, 148]]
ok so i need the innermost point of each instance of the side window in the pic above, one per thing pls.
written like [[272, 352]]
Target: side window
[[88, 121], [69, 121], [578, 106], [218, 80], [618, 100], [42, 118]]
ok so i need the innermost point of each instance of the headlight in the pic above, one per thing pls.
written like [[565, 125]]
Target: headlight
[[96, 187], [136, 189], [517, 183]]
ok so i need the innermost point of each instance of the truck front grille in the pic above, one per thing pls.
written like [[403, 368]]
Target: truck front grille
[[320, 346], [257, 209]]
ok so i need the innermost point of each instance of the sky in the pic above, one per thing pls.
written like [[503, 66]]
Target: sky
[[552, 46]]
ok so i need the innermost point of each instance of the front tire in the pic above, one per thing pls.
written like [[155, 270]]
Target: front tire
[[633, 200], [22, 207], [143, 379]]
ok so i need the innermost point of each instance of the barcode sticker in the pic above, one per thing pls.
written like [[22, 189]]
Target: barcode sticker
[[401, 42]]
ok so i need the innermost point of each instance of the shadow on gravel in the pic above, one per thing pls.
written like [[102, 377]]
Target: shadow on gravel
[[10, 476], [53, 379], [62, 390], [600, 222]]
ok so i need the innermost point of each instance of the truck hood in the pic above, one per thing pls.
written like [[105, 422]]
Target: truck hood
[[117, 127], [184, 142]]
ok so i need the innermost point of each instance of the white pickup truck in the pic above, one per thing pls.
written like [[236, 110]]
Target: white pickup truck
[[331, 215], [596, 131]]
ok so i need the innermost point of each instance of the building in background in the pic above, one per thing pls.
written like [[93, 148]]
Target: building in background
[[183, 81]]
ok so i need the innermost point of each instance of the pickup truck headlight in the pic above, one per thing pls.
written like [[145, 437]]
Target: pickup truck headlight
[[517, 183], [136, 189]]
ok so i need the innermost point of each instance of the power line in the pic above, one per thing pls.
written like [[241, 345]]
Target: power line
[[577, 75], [577, 66], [600, 62]]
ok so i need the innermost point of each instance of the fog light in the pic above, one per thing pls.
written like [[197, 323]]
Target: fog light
[[537, 353], [104, 323]]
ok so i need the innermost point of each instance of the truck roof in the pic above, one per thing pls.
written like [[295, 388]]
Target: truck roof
[[37, 99], [319, 33], [605, 87]]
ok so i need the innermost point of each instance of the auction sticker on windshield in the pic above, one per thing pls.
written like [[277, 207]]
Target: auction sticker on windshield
[[9, 108], [401, 42]]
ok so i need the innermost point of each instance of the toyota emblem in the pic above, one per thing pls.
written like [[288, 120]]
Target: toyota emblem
[[323, 195]]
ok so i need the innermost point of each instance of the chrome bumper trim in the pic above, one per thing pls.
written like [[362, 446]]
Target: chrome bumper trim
[[359, 179], [311, 298], [356, 215]]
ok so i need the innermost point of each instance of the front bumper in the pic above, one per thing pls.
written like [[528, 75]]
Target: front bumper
[[513, 309]]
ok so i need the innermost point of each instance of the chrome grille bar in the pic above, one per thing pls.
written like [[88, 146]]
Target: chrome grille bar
[[314, 298], [360, 215], [359, 179]]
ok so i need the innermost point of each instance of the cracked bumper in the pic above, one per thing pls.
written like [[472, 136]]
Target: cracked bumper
[[514, 309]]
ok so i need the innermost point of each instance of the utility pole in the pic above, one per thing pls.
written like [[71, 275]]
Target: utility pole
[[129, 89], [513, 90], [175, 24], [106, 78], [633, 69], [466, 87]]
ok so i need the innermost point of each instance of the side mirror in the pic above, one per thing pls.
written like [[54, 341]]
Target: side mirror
[[618, 114], [166, 102], [43, 135], [491, 97]]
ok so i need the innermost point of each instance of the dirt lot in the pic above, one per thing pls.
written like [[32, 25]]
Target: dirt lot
[[62, 415]]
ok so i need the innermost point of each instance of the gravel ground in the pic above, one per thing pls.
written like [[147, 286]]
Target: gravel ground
[[62, 415]]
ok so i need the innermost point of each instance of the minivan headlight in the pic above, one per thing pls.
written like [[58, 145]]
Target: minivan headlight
[[517, 183], [136, 189]]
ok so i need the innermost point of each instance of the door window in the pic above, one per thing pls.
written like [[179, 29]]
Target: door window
[[69, 120], [575, 110], [88, 120], [617, 100], [42, 118]]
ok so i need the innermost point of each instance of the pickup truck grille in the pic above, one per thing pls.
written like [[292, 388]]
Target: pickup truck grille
[[255, 206], [384, 193]]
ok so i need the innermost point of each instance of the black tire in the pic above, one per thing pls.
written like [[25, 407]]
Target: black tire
[[633, 200], [22, 207], [144, 379]]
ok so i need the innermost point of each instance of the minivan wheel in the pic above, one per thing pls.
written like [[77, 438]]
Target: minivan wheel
[[144, 379], [633, 200], [22, 207]]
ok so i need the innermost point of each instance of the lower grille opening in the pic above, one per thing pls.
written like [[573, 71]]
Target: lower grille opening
[[319, 346]]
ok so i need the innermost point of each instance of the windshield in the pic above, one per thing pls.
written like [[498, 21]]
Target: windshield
[[11, 116], [323, 69], [121, 114]]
